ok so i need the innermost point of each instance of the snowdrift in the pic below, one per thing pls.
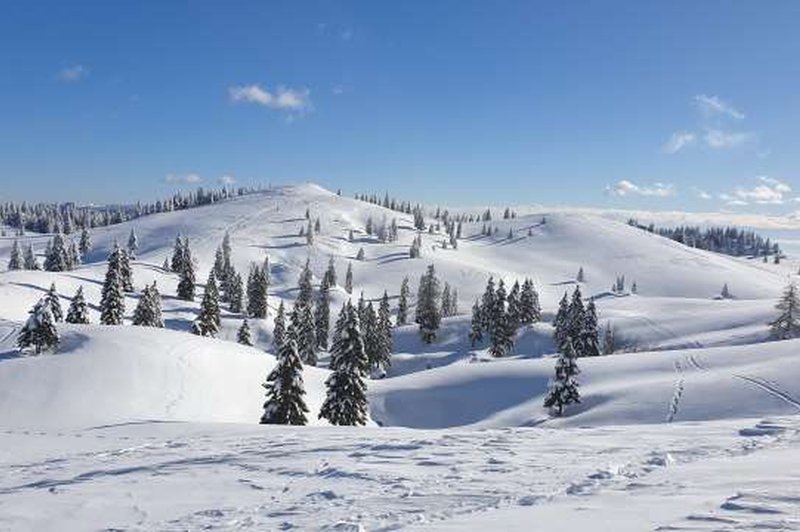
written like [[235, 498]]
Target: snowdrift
[[106, 375]]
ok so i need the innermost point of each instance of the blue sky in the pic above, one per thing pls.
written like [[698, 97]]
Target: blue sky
[[659, 105]]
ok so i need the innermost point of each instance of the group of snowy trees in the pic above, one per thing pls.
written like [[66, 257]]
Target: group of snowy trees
[[361, 345], [500, 313], [728, 240], [67, 218], [576, 326]]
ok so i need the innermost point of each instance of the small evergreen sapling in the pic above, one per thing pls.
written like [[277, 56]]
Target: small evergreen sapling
[[78, 312], [243, 334], [564, 387], [39, 330]]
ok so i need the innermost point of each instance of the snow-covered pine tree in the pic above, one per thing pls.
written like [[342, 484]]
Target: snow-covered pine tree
[[382, 337], [580, 277], [501, 330], [207, 322], [85, 242], [787, 324], [148, 310], [322, 314], [428, 312], [178, 255], [725, 294], [564, 387], [402, 304], [360, 254], [78, 311], [514, 306], [15, 261], [236, 292], [310, 234], [445, 306], [487, 304], [112, 301], [185, 269], [133, 244], [74, 255], [302, 322], [55, 303], [575, 320], [39, 330], [346, 402], [589, 334], [529, 311], [279, 328], [330, 273], [29, 260], [609, 340], [57, 257], [476, 325], [561, 324], [125, 272], [155, 298], [305, 290], [243, 334], [257, 293], [348, 279], [285, 404]]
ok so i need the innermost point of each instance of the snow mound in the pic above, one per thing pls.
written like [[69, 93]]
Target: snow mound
[[105, 375]]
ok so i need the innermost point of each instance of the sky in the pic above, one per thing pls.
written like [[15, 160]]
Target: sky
[[637, 104]]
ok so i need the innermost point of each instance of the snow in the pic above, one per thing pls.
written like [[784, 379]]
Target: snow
[[692, 426]]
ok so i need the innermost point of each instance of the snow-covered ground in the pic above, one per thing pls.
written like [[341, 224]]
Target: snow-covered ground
[[695, 426]]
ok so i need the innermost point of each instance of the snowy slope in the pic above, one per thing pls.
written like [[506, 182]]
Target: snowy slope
[[106, 375]]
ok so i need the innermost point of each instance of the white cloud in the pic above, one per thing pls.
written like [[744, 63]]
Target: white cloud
[[227, 180], [73, 73], [768, 191], [719, 139], [283, 99], [182, 178], [678, 141], [700, 193], [624, 188], [711, 105]]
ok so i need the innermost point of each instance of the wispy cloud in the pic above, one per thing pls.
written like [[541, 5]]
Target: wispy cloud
[[73, 73], [227, 180], [702, 194], [768, 191], [282, 99], [721, 140], [182, 178], [625, 188], [678, 141], [713, 105]]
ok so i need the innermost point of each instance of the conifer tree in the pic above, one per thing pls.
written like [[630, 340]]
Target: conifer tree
[[78, 311], [487, 304], [147, 312], [580, 277], [501, 330], [528, 304], [126, 273], [133, 244], [279, 329], [564, 387], [55, 303], [348, 279], [15, 261], [402, 304], [346, 402], [429, 314], [310, 234], [446, 311], [560, 324], [330, 273], [609, 340], [39, 330], [381, 357], [208, 321], [575, 320], [155, 300], [73, 255], [57, 257], [30, 261], [787, 324], [725, 294], [589, 334], [257, 293], [285, 403], [243, 334], [476, 325], [236, 293], [322, 314], [85, 243], [112, 301], [514, 309], [178, 255], [185, 265]]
